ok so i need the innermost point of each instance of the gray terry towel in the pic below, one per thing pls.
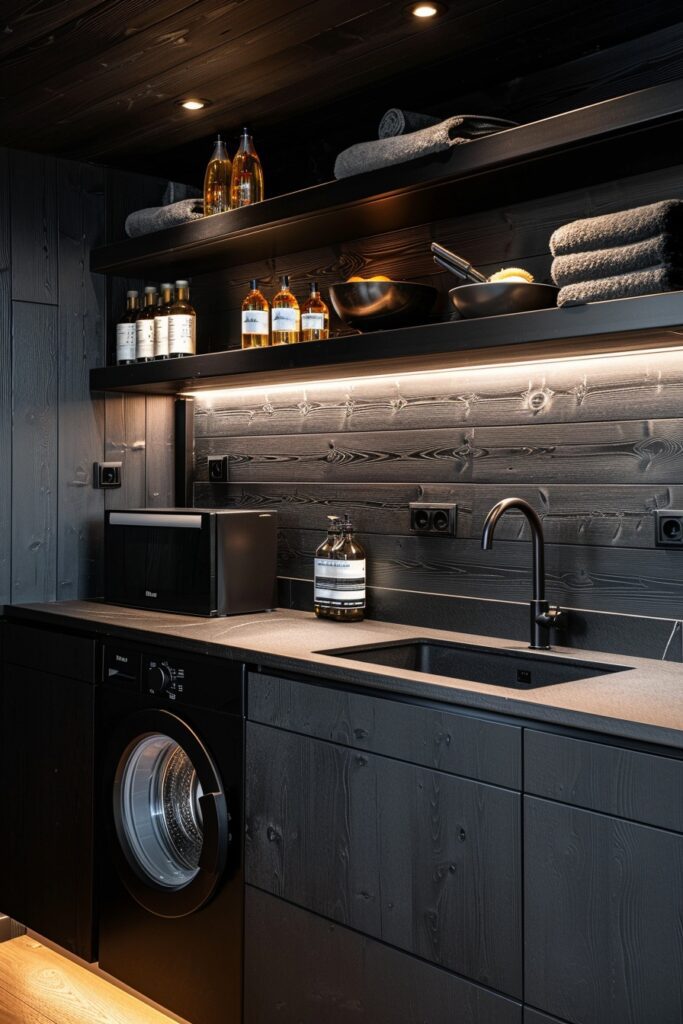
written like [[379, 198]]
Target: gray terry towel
[[661, 250], [156, 218], [624, 228], [639, 282], [370, 156], [402, 122]]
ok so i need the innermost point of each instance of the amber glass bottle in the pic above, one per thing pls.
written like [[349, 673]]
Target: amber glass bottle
[[144, 327], [339, 579], [182, 323], [247, 174], [285, 316], [315, 317], [255, 318], [161, 321], [217, 181], [125, 330]]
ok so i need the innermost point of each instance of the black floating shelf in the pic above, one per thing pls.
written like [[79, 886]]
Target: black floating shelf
[[652, 321], [626, 135]]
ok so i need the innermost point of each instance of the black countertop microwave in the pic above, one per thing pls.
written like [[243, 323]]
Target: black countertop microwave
[[191, 561]]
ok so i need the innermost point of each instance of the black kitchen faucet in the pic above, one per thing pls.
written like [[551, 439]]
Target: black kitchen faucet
[[543, 615]]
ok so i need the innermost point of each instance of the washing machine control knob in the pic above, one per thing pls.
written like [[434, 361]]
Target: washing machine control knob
[[159, 678]]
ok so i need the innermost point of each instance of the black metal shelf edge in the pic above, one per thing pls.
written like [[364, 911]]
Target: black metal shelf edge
[[569, 150], [650, 321]]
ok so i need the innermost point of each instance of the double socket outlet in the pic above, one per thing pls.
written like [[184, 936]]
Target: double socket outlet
[[435, 519]]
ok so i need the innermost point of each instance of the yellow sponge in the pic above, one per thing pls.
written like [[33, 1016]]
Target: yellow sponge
[[512, 274]]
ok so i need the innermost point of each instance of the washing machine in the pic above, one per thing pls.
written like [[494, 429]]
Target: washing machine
[[171, 737]]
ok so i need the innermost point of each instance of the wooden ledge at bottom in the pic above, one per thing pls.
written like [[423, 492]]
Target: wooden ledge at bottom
[[39, 986]]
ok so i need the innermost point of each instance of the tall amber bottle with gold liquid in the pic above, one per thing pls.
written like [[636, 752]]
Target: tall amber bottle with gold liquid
[[217, 181], [315, 317], [247, 174], [285, 316], [255, 318]]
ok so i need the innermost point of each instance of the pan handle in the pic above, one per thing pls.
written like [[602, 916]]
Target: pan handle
[[456, 264]]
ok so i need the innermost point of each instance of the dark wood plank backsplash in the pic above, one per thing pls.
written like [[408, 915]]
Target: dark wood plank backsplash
[[595, 444]]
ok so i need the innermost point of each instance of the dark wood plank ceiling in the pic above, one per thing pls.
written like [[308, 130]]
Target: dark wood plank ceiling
[[98, 79]]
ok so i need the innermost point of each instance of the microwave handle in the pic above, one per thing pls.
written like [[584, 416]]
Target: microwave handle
[[174, 519]]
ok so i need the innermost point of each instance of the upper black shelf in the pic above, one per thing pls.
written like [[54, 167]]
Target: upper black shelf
[[621, 136], [651, 321]]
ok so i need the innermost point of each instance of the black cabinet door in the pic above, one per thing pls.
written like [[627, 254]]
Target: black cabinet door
[[428, 862], [603, 917], [302, 969], [46, 766]]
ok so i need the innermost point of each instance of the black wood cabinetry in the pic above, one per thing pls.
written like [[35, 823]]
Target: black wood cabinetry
[[603, 907], [302, 969], [47, 781], [426, 861]]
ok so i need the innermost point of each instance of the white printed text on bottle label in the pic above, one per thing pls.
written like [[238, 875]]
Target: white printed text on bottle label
[[254, 321], [125, 343], [181, 328], [339, 583]]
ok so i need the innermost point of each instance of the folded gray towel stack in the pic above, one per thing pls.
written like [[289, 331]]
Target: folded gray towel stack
[[156, 218], [634, 252], [383, 152]]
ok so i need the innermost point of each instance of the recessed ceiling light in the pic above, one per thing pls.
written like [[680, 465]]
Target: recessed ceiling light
[[426, 10], [193, 103]]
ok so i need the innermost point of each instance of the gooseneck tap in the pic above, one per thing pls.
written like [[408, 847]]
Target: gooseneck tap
[[543, 615]]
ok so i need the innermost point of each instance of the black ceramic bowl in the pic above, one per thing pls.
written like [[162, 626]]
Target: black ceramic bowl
[[383, 305], [496, 298]]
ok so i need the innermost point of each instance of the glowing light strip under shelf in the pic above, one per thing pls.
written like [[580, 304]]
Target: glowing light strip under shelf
[[238, 389]]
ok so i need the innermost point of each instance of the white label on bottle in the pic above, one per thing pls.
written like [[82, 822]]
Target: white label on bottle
[[338, 583], [285, 319], [144, 339], [313, 322], [254, 321], [160, 335], [181, 328], [125, 343]]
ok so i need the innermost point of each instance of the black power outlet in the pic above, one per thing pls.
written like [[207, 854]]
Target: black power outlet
[[433, 519], [107, 474], [218, 469], [669, 529]]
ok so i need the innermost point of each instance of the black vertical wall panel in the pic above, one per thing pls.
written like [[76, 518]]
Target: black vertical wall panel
[[5, 384], [81, 347], [34, 228], [34, 451]]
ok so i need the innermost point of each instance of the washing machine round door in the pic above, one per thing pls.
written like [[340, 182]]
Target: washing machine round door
[[170, 814]]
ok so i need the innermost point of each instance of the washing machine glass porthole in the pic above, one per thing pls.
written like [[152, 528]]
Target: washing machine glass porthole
[[159, 817]]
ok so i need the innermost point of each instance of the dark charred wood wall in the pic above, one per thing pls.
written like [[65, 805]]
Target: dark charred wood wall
[[596, 445], [53, 316]]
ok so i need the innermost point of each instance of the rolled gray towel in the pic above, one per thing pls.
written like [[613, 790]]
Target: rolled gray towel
[[622, 286], [402, 122], [370, 156], [623, 228], [156, 218], [662, 250]]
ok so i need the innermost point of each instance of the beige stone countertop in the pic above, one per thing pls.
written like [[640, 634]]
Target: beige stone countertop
[[644, 702]]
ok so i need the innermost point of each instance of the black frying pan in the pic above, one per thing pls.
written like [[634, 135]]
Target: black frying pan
[[497, 298], [481, 297]]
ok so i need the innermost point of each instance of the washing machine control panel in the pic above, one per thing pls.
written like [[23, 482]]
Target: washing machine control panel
[[167, 677], [163, 677]]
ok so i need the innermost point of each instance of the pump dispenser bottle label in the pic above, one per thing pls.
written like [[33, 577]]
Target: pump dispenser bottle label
[[339, 584]]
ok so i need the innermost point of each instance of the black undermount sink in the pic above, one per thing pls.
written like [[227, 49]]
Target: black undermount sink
[[515, 669]]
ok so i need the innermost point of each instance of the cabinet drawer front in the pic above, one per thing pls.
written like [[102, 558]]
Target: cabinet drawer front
[[599, 777], [447, 740], [302, 969], [47, 650], [603, 906], [426, 861]]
